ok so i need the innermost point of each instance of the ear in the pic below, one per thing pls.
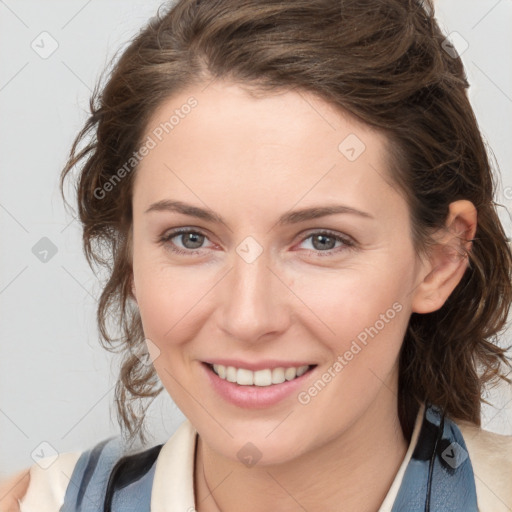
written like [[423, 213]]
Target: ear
[[447, 260]]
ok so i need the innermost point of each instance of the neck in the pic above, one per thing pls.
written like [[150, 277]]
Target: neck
[[356, 469]]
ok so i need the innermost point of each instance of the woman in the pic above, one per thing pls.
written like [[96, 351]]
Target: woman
[[295, 207]]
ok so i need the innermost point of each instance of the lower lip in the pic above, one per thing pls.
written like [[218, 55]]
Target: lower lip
[[254, 397]]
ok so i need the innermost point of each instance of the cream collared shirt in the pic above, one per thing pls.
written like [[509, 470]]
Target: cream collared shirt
[[173, 485], [173, 489]]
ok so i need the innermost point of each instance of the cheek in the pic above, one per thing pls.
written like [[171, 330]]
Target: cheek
[[169, 300], [354, 303], [363, 322]]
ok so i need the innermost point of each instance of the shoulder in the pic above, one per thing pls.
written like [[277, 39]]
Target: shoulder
[[491, 458], [12, 489], [41, 487], [85, 480], [50, 477]]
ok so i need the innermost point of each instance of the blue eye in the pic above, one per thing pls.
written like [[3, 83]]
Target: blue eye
[[324, 239], [196, 238], [320, 240]]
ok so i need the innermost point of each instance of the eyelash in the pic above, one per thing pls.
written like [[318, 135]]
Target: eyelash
[[166, 238]]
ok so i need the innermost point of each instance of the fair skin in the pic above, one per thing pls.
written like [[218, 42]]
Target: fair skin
[[250, 161], [13, 489]]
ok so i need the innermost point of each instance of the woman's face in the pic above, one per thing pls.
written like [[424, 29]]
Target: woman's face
[[278, 282]]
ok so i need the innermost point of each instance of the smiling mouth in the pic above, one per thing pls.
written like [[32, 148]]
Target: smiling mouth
[[263, 378]]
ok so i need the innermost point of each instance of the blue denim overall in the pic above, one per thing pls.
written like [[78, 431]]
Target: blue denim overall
[[438, 478]]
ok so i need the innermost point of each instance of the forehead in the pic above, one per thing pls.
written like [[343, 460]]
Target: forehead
[[276, 148]]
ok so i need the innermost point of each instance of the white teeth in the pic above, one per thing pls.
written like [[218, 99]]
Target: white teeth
[[221, 370], [278, 375], [244, 377], [301, 370], [290, 373], [230, 373], [265, 377]]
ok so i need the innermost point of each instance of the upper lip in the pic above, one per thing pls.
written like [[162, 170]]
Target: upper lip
[[259, 365]]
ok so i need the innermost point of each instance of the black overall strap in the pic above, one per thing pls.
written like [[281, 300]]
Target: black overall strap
[[105, 478], [439, 476], [127, 471]]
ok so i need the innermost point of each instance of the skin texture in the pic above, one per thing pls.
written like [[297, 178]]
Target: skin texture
[[13, 489], [251, 160]]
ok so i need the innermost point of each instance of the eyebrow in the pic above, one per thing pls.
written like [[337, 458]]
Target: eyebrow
[[293, 217]]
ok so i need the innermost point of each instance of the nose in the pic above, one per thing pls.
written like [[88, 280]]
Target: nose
[[255, 300]]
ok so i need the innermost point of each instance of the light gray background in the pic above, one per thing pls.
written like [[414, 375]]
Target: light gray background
[[56, 382]]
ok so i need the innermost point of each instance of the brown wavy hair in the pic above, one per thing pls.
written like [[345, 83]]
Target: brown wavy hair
[[383, 61]]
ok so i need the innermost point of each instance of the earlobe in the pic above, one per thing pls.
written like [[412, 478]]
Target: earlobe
[[448, 259]]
